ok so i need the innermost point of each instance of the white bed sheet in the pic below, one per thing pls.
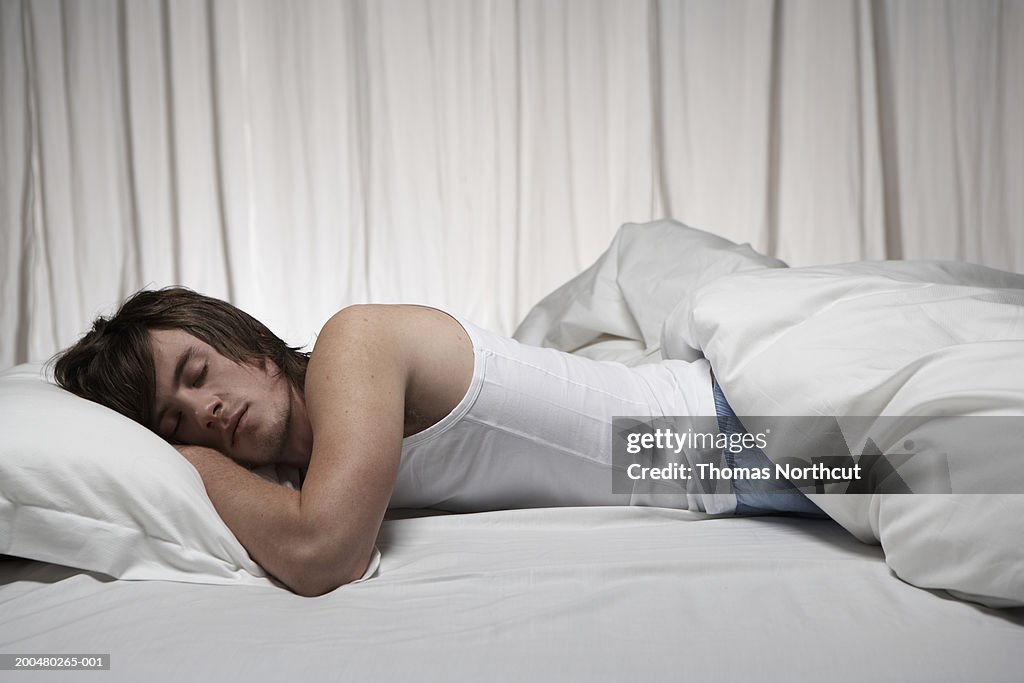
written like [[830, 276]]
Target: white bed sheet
[[551, 595]]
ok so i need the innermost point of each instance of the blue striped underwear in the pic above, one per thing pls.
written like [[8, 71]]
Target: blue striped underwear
[[758, 496]]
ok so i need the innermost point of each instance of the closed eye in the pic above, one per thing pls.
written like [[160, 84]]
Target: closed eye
[[202, 375]]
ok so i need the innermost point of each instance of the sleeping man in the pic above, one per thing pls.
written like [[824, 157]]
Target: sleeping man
[[397, 405]]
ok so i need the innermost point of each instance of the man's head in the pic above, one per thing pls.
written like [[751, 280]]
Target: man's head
[[189, 367]]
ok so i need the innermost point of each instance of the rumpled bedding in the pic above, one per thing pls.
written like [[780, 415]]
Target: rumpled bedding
[[932, 340]]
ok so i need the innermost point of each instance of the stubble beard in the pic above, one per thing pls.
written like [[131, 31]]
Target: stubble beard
[[279, 450]]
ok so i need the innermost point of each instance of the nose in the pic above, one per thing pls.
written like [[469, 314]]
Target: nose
[[209, 412]]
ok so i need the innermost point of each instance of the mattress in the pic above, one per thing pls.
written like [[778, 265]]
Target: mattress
[[597, 594]]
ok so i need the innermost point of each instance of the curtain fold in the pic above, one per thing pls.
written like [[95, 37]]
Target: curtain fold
[[297, 157]]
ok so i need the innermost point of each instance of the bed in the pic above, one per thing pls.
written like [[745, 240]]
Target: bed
[[888, 588], [555, 594]]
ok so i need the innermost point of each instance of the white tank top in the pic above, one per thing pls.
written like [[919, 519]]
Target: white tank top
[[534, 430]]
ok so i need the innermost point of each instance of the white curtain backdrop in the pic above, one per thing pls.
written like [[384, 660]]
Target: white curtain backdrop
[[295, 157]]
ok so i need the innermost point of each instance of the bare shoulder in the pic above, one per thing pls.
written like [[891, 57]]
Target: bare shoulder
[[422, 353], [414, 328]]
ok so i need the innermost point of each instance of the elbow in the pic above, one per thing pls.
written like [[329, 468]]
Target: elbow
[[313, 589], [310, 585], [315, 573]]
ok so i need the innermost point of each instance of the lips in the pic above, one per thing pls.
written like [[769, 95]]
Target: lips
[[237, 421]]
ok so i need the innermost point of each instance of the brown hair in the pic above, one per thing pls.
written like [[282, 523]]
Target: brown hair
[[113, 363]]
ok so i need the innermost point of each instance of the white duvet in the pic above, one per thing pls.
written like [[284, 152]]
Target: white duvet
[[924, 339]]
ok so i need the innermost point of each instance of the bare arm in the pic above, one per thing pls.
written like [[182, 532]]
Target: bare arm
[[356, 387], [256, 510], [366, 361]]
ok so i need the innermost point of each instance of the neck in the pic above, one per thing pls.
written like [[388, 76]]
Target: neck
[[298, 445]]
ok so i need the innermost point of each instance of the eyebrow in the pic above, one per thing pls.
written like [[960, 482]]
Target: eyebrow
[[179, 369]]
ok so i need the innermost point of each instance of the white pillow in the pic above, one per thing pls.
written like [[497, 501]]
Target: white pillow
[[83, 486]]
